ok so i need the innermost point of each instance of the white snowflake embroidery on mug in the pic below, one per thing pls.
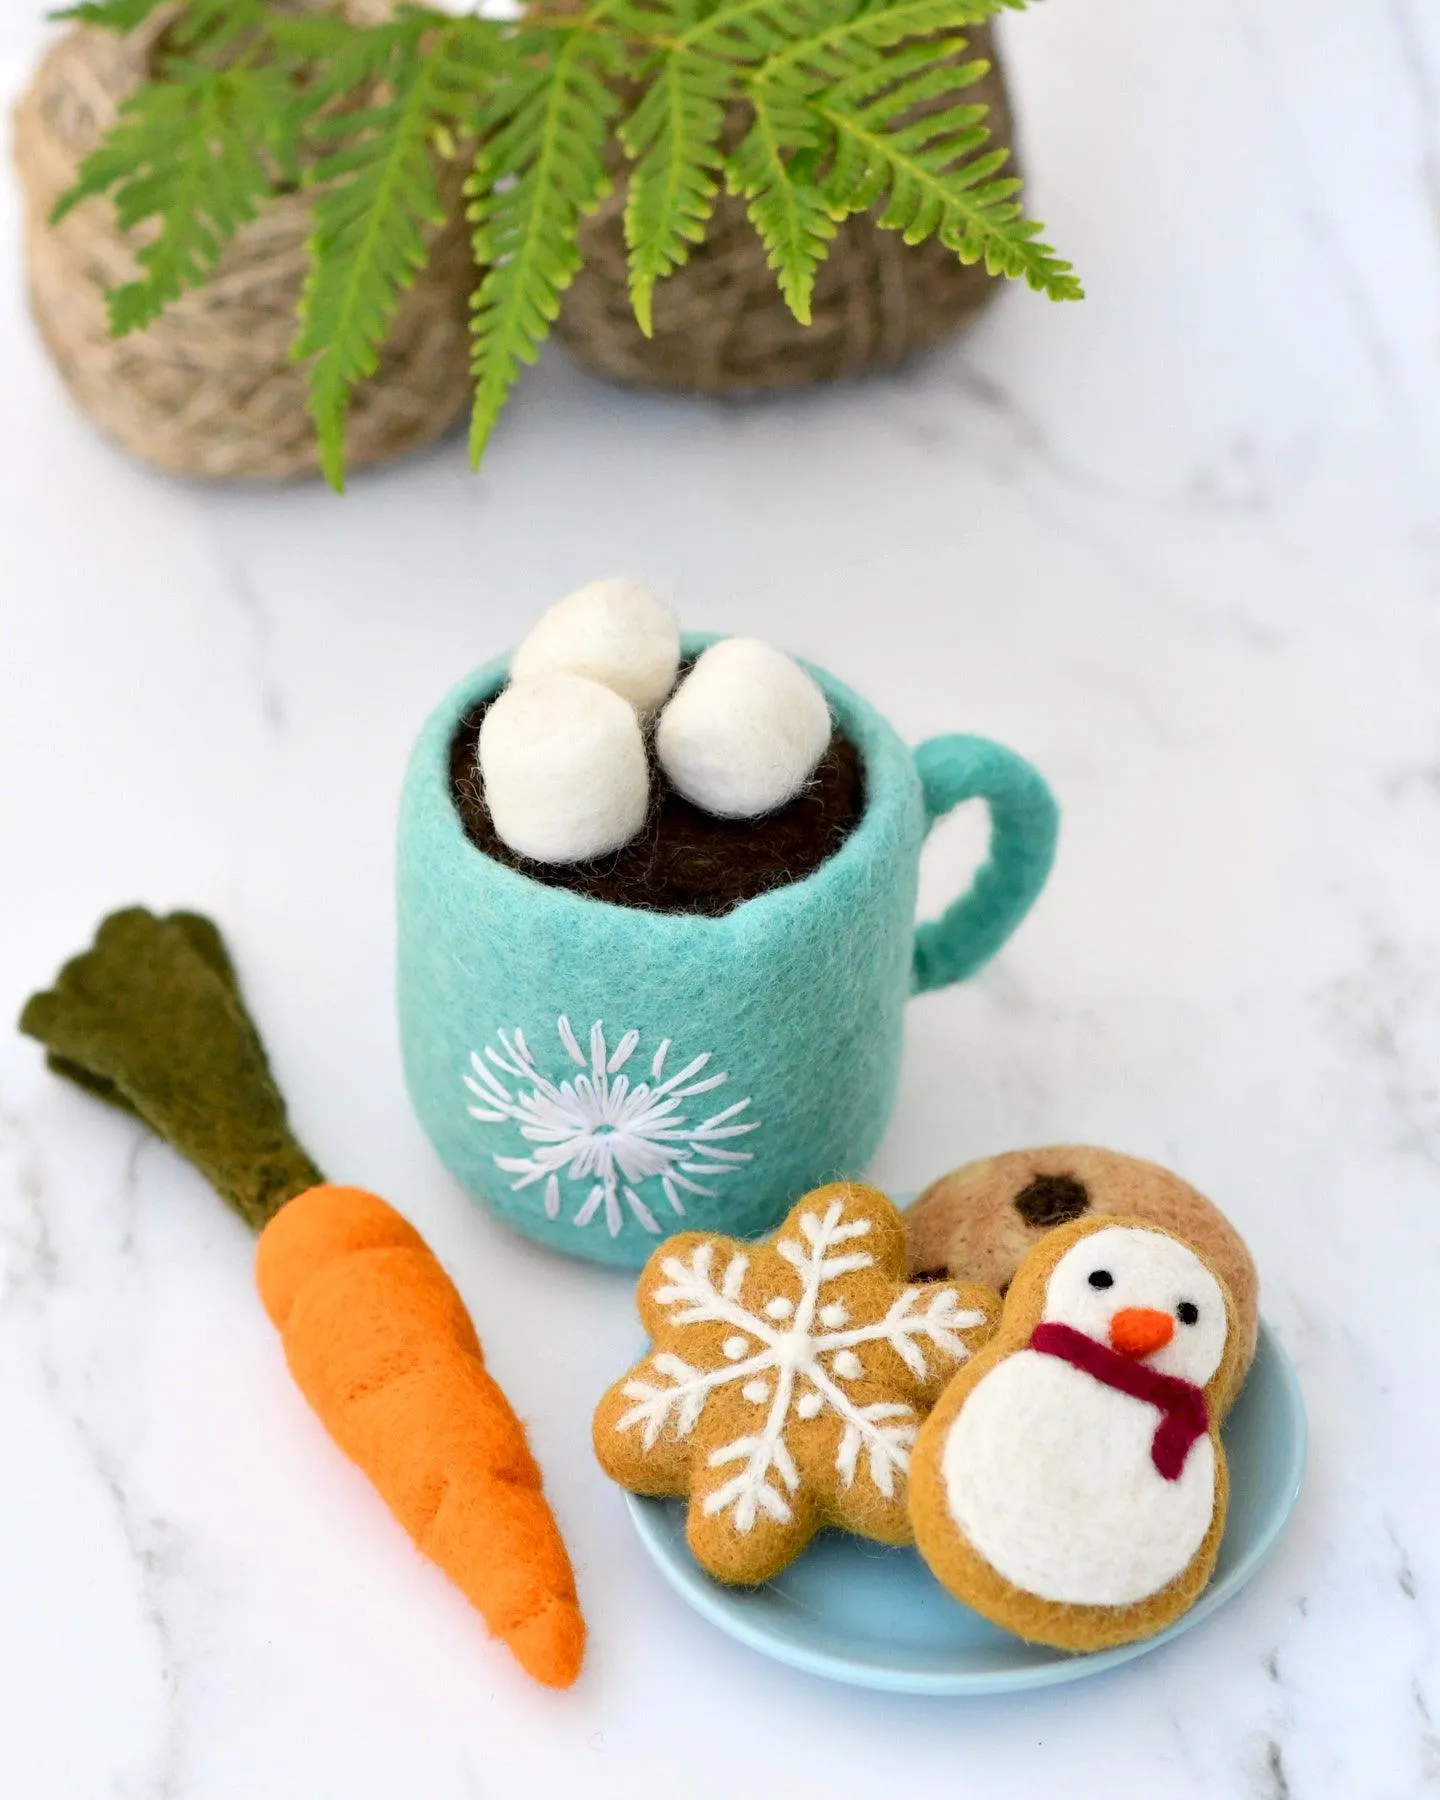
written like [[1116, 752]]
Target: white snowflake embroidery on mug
[[596, 1128]]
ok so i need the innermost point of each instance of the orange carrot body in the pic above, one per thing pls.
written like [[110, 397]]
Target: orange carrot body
[[381, 1345]]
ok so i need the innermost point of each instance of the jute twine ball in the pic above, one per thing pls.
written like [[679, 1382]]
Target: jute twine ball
[[721, 325], [210, 389]]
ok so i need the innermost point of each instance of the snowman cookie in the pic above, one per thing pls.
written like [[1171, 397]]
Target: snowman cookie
[[979, 1222], [1070, 1484], [786, 1380]]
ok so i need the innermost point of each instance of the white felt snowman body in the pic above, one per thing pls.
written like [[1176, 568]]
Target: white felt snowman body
[[1050, 1476], [1078, 1468], [1050, 1471]]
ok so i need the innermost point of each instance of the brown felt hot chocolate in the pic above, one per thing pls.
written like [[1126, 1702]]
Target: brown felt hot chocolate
[[683, 860]]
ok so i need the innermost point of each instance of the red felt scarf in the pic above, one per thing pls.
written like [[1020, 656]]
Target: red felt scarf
[[1184, 1413]]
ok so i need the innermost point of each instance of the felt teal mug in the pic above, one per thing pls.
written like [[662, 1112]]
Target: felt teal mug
[[601, 1076]]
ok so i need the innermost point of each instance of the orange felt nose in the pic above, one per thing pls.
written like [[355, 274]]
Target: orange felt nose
[[1140, 1330]]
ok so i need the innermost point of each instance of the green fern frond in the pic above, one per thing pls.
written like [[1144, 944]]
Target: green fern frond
[[845, 37], [789, 213], [746, 31], [673, 138], [658, 23], [109, 15], [218, 24], [897, 96], [195, 157], [933, 174], [377, 200], [674, 135], [809, 110], [541, 168], [225, 31]]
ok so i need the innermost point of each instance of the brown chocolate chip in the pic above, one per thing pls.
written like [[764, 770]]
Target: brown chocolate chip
[[1052, 1200]]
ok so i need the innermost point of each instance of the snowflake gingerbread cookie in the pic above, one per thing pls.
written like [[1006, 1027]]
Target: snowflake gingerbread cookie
[[787, 1381]]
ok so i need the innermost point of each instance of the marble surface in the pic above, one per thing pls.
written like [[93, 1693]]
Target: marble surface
[[1181, 546]]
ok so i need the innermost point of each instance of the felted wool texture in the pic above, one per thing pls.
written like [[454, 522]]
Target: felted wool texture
[[563, 769], [1024, 829], [150, 1018], [335, 1222], [785, 1381], [1059, 1462], [796, 998], [979, 1222], [379, 1342], [205, 940], [375, 1333], [683, 859], [615, 632], [743, 732]]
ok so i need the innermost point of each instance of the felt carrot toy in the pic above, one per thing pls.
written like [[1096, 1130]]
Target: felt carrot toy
[[375, 1333]]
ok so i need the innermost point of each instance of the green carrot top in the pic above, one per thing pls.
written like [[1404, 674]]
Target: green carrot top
[[151, 1020]]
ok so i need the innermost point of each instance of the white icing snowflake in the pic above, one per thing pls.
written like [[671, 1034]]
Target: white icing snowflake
[[795, 1358], [597, 1129]]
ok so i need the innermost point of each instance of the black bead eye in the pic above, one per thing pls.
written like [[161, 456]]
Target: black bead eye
[[1187, 1312], [1101, 1278]]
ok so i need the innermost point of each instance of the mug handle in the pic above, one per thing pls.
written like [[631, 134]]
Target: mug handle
[[1024, 823]]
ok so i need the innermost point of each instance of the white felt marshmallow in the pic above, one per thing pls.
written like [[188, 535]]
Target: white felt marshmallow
[[562, 761], [614, 631], [744, 730]]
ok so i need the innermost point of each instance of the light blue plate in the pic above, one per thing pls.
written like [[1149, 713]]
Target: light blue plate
[[859, 1612]]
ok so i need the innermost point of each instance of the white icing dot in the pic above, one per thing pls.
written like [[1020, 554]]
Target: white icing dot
[[809, 1404], [735, 1347], [833, 1316], [795, 1350], [755, 1392], [847, 1366], [779, 1307]]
